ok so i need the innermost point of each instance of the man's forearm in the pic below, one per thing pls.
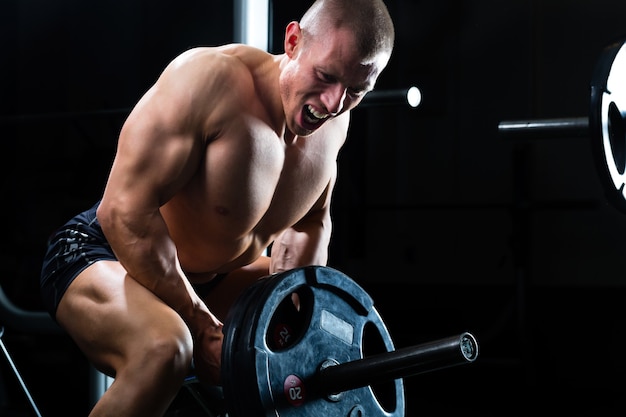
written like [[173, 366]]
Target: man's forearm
[[305, 245]]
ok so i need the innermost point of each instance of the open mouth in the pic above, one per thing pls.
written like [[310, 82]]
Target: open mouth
[[312, 116]]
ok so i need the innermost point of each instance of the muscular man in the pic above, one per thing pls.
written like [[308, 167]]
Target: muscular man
[[231, 151]]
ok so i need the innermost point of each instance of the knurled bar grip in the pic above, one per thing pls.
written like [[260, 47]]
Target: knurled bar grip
[[404, 362]]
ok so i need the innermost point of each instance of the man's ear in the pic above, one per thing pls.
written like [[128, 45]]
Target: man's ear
[[293, 34]]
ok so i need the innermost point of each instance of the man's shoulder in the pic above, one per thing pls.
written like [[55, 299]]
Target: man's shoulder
[[233, 55], [205, 57], [205, 68]]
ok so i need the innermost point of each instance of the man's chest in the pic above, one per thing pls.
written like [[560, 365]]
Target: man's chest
[[256, 180]]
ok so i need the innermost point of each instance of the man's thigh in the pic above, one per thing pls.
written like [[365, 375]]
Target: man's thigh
[[221, 298], [108, 315]]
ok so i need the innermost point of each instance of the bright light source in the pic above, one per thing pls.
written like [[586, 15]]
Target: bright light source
[[251, 25], [414, 96]]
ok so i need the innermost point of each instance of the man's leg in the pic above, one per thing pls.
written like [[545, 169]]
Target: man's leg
[[129, 333], [221, 298]]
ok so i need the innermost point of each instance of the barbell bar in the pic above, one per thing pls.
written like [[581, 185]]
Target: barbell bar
[[605, 126], [400, 363]]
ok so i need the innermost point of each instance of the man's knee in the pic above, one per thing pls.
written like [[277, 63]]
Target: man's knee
[[167, 352]]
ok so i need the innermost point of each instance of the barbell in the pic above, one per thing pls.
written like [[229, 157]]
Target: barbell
[[605, 125], [310, 342]]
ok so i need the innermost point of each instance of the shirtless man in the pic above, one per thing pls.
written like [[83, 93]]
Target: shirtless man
[[231, 151]]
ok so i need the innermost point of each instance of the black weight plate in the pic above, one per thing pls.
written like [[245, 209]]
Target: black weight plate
[[272, 351], [607, 121]]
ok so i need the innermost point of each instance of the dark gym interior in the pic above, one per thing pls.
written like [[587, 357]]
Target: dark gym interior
[[450, 226]]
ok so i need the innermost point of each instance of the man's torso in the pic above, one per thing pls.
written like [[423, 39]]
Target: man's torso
[[249, 186]]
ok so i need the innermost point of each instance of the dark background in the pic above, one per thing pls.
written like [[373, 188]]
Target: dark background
[[449, 226]]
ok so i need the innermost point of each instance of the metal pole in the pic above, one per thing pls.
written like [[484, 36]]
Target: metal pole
[[251, 23], [18, 376], [410, 96]]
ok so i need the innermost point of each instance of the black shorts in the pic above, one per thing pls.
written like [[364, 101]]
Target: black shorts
[[72, 248]]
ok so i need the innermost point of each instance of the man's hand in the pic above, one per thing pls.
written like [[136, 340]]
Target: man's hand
[[207, 354]]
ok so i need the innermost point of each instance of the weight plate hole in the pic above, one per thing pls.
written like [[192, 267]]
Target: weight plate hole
[[617, 137], [373, 344], [291, 319]]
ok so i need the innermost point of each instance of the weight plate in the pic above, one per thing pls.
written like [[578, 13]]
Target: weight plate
[[275, 343], [607, 117]]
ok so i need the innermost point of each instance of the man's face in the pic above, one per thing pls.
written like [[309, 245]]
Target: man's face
[[324, 78]]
